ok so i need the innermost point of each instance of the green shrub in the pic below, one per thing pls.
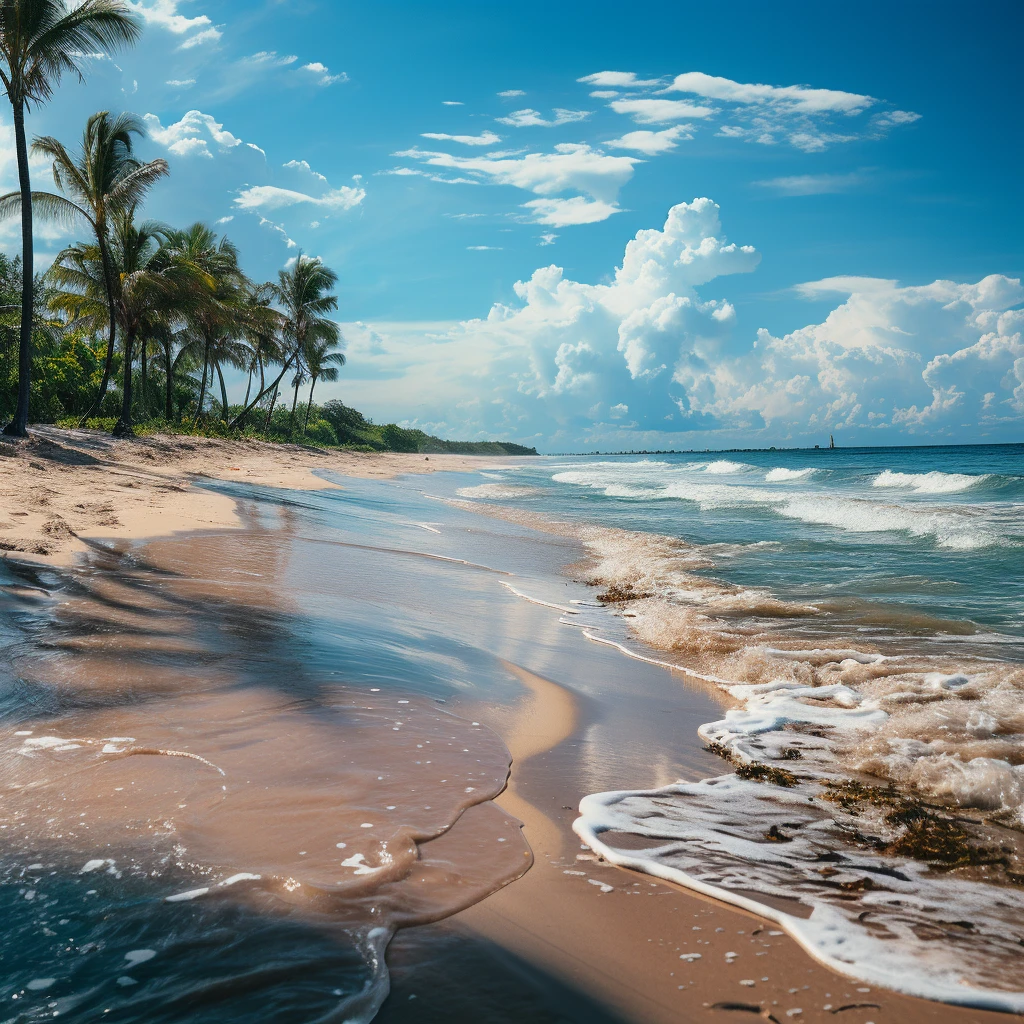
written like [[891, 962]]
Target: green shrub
[[321, 432]]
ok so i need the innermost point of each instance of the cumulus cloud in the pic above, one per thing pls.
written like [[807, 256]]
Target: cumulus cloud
[[917, 358], [650, 355], [658, 111], [571, 167], [164, 14], [653, 143], [569, 355], [321, 74], [510, 93], [191, 136], [486, 138], [798, 98], [533, 118]]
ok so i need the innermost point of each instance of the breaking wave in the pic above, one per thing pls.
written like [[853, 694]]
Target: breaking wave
[[930, 483]]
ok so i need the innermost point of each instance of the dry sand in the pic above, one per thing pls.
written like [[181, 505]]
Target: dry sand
[[615, 957], [62, 488]]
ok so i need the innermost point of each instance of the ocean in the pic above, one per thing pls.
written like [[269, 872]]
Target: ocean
[[863, 611]]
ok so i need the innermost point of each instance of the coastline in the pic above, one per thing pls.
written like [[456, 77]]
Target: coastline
[[61, 489], [621, 953]]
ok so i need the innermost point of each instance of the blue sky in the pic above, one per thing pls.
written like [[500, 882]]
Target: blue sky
[[475, 172]]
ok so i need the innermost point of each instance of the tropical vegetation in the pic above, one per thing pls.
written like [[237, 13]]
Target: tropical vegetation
[[134, 326]]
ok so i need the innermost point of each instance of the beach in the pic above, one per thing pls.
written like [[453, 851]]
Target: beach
[[187, 607]]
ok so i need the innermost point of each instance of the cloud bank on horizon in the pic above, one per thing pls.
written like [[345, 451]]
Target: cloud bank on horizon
[[646, 362]]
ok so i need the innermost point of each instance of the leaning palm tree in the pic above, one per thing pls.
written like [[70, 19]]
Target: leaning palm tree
[[104, 182], [40, 41], [303, 292], [322, 364]]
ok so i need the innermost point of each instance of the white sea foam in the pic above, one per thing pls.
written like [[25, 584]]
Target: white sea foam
[[934, 482], [782, 475], [499, 492], [723, 467], [952, 733]]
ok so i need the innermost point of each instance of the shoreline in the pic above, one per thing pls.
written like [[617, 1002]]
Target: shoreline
[[558, 923], [61, 490]]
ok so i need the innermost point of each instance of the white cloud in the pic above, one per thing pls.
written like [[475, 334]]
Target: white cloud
[[547, 238], [656, 111], [618, 80], [533, 118], [813, 184], [571, 166], [914, 358], [653, 143], [186, 137], [452, 103], [562, 213], [484, 248], [164, 14], [509, 93], [180, 83], [550, 362], [224, 220], [647, 356], [484, 139], [798, 98], [798, 115], [322, 75], [303, 165], [268, 59], [208, 35], [252, 145], [272, 197]]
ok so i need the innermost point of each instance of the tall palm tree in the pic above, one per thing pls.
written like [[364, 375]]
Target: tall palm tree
[[303, 292], [103, 183], [40, 41], [322, 364]]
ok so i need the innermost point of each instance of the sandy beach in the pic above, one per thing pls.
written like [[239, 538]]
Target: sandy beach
[[572, 938]]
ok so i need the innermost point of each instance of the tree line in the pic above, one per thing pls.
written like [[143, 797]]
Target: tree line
[[139, 320]]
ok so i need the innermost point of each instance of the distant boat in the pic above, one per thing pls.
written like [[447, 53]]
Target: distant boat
[[831, 441]]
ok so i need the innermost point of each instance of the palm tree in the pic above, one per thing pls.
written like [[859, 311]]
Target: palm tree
[[302, 291], [40, 40], [106, 181], [213, 318], [322, 364]]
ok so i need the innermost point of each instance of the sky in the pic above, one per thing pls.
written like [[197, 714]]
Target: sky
[[584, 226]]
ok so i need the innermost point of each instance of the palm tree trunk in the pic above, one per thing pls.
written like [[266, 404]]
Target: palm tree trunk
[[143, 393], [202, 387], [270, 412], [223, 392], [18, 427], [168, 385], [264, 391], [248, 388], [295, 402], [108, 362], [123, 427], [309, 404]]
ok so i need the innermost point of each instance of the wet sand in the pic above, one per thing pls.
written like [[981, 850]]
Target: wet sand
[[61, 488], [570, 940]]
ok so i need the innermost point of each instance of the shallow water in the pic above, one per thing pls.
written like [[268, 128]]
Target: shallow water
[[863, 610], [319, 660]]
